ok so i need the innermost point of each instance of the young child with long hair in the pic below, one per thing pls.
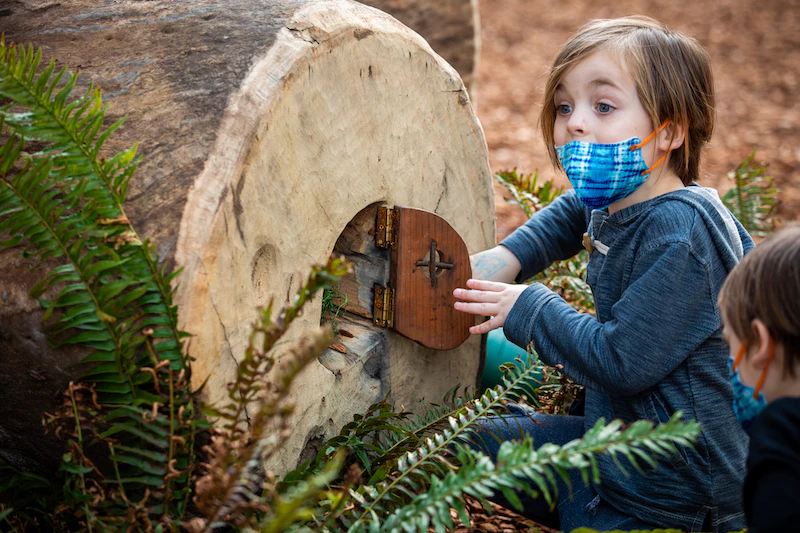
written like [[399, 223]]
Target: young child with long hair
[[760, 304], [628, 107]]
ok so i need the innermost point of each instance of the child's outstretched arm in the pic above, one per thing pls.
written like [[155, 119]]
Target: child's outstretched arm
[[666, 312], [552, 234], [495, 264]]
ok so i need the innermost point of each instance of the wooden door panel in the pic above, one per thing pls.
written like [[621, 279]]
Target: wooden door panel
[[429, 260]]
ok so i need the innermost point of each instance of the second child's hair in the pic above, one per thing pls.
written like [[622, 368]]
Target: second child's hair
[[766, 285], [672, 76]]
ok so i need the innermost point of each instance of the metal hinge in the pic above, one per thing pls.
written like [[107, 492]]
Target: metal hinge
[[383, 307], [385, 227]]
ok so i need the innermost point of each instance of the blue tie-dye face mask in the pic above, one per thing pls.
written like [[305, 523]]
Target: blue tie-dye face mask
[[603, 174]]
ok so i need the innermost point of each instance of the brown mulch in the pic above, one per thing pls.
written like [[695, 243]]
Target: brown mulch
[[755, 53], [501, 520]]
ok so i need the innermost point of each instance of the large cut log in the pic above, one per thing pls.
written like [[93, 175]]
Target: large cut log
[[266, 127], [451, 27]]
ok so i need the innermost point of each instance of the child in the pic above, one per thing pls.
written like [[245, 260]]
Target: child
[[760, 304], [628, 106]]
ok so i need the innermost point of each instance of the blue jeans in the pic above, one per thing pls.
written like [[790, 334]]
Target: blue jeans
[[585, 507]]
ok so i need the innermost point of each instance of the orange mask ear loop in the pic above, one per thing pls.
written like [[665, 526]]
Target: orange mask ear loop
[[739, 355], [647, 140], [766, 367]]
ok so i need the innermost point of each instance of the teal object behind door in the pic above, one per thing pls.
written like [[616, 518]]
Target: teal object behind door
[[500, 350]]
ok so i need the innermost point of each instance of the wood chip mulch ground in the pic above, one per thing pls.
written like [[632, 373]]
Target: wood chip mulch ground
[[501, 520]]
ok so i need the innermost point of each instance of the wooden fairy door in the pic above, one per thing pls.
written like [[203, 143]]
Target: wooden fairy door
[[428, 260]]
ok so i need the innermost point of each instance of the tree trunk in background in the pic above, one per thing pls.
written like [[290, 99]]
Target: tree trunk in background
[[266, 127]]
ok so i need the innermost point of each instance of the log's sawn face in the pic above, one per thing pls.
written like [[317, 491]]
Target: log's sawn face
[[266, 127], [451, 27]]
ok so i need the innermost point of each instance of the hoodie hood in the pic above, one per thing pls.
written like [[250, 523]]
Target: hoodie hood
[[728, 233]]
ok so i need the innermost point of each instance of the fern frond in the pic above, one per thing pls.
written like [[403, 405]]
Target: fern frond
[[753, 197], [413, 430], [365, 441], [292, 507], [520, 467], [70, 126], [526, 190], [63, 203], [416, 469]]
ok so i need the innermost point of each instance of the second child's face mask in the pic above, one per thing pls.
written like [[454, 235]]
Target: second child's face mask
[[748, 401], [603, 174]]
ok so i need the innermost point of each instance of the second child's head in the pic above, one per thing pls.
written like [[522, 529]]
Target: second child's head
[[636, 75], [760, 305]]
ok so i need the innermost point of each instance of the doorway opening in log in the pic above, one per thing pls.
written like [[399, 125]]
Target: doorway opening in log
[[350, 301], [359, 349]]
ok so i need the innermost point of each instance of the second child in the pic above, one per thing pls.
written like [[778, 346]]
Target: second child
[[760, 304]]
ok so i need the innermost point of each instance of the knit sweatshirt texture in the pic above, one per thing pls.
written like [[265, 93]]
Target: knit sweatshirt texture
[[654, 346]]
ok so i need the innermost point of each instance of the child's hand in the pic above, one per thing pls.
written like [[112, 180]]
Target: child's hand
[[488, 298]]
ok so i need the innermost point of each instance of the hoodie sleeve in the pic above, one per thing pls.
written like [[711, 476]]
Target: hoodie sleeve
[[666, 312], [552, 234]]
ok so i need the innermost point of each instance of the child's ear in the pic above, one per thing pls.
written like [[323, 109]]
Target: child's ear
[[671, 137], [760, 351]]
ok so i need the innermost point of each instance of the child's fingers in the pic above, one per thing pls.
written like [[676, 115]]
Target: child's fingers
[[484, 285], [476, 296], [485, 327], [477, 308]]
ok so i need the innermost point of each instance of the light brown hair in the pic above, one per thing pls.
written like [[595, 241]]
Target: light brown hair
[[672, 76], [766, 285]]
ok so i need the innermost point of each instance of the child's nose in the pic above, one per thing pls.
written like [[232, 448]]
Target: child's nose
[[576, 125]]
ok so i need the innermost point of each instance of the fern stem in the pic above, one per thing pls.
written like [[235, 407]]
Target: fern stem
[[80, 445], [168, 487], [116, 471]]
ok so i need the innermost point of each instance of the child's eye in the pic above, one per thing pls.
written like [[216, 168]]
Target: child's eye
[[563, 109], [603, 108]]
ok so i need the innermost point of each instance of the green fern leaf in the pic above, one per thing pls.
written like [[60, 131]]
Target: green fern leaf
[[431, 460], [518, 465], [64, 203]]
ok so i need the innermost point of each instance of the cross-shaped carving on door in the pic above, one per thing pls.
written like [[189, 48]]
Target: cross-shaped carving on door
[[435, 267]]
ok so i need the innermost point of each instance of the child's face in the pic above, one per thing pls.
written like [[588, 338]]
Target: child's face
[[596, 102]]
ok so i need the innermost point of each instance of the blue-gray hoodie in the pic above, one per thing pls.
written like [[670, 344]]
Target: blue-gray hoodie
[[655, 345]]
